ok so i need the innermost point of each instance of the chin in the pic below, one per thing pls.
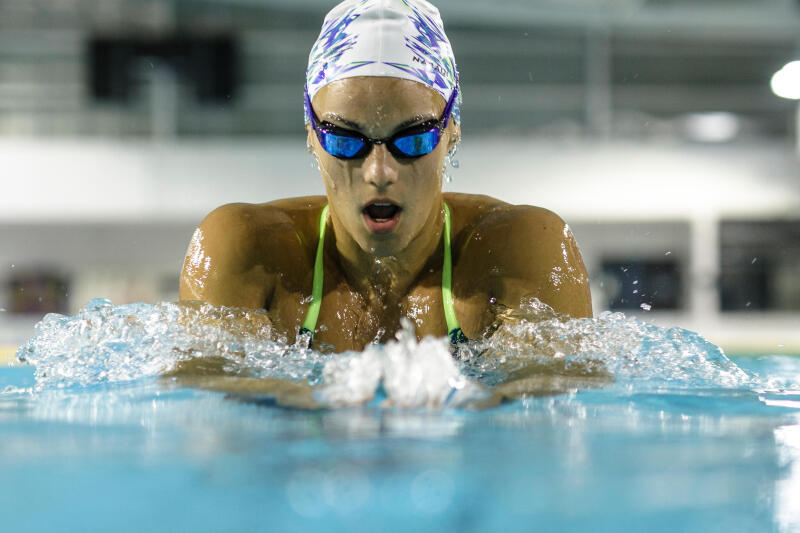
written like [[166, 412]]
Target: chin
[[383, 245]]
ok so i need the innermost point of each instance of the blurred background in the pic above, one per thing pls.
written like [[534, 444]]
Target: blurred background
[[656, 128]]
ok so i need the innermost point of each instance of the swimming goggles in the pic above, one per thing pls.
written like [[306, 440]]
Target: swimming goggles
[[409, 143]]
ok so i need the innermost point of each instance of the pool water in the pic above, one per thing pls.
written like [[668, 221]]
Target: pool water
[[713, 445]]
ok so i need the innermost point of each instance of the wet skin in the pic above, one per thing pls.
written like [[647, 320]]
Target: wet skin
[[262, 255]]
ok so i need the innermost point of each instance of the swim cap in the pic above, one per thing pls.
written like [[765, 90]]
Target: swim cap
[[395, 38]]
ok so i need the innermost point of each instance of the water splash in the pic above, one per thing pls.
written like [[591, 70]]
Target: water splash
[[450, 161], [634, 352], [413, 374], [104, 343], [314, 162]]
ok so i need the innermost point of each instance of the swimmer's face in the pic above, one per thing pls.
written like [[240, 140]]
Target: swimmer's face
[[381, 201]]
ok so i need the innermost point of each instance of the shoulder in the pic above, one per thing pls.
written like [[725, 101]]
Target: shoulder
[[527, 224], [243, 217], [525, 251], [243, 227], [238, 251], [478, 217]]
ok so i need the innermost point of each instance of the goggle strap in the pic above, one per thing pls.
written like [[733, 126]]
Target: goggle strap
[[448, 108]]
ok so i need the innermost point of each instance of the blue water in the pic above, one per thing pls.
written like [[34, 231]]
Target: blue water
[[713, 444]]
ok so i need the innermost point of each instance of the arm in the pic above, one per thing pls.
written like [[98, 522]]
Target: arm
[[537, 256], [223, 265]]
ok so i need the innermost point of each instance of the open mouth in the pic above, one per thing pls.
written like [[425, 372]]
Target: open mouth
[[381, 217]]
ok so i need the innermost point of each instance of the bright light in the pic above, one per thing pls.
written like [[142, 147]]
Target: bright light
[[716, 127], [786, 82]]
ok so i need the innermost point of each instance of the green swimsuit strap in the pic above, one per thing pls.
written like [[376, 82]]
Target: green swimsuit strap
[[453, 327], [310, 323]]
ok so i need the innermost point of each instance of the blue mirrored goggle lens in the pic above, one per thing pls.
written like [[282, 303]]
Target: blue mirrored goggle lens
[[340, 145], [418, 144]]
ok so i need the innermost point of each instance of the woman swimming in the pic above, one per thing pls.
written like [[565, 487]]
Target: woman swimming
[[382, 111]]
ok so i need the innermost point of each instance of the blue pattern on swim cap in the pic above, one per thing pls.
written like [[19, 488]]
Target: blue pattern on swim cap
[[432, 45], [333, 42], [406, 36]]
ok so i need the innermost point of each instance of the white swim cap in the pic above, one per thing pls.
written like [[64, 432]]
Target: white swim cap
[[394, 38]]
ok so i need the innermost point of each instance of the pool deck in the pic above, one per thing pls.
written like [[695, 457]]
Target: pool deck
[[7, 355]]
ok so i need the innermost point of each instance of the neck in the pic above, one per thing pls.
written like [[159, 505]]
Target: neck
[[388, 278]]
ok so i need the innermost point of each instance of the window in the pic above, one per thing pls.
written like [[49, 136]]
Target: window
[[760, 266], [642, 284]]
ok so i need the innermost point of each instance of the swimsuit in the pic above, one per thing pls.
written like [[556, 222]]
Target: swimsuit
[[453, 327]]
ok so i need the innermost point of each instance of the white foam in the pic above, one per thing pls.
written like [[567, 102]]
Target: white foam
[[413, 374], [106, 344]]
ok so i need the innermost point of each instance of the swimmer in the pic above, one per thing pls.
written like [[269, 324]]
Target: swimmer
[[382, 110]]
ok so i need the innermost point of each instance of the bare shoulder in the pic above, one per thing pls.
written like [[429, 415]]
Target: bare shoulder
[[479, 216], [238, 249], [246, 229], [530, 251]]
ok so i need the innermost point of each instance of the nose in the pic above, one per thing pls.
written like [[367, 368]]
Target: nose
[[380, 168]]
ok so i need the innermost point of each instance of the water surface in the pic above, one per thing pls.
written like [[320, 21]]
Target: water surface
[[676, 437]]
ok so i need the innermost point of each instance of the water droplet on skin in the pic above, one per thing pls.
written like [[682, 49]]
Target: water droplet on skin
[[315, 163], [449, 160]]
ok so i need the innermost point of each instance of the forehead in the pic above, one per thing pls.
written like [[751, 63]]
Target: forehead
[[377, 103]]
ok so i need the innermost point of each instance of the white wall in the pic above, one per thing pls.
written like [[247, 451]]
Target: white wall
[[70, 181]]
